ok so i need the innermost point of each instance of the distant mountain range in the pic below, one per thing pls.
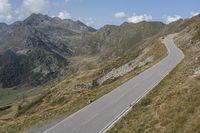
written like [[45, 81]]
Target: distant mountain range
[[38, 49], [35, 50]]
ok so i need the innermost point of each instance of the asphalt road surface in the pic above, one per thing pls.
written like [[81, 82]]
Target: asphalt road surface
[[100, 115]]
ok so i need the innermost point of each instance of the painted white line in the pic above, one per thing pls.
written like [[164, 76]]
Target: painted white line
[[129, 107], [125, 111]]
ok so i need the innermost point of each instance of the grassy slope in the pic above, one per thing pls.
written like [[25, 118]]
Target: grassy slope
[[68, 96], [173, 106]]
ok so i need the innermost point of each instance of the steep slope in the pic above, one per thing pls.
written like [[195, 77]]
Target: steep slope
[[180, 25], [112, 41], [34, 51], [42, 46], [174, 105], [65, 97], [3, 26]]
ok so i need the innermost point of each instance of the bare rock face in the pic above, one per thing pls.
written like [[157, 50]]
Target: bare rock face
[[126, 68], [113, 41], [38, 49], [35, 50], [197, 71], [3, 26]]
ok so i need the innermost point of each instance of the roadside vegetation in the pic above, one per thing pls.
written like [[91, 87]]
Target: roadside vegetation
[[71, 94], [174, 105]]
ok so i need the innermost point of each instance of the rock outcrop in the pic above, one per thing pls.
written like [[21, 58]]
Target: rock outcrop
[[126, 68]]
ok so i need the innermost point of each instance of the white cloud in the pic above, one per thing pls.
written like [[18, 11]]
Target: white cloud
[[194, 14], [9, 15], [139, 18], [134, 18], [120, 15], [4, 6], [33, 6], [64, 15], [36, 6], [170, 19], [89, 21], [6, 14], [27, 7]]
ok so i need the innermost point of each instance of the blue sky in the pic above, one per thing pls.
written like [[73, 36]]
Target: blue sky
[[97, 13]]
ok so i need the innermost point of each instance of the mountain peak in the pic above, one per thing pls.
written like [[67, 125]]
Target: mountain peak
[[35, 19]]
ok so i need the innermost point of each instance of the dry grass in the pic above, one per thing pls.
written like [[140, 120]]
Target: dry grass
[[172, 107], [68, 96]]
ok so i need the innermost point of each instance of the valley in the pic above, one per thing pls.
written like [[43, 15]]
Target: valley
[[50, 68]]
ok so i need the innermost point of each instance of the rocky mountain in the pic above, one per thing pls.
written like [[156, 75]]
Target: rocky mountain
[[113, 41], [35, 50], [3, 26], [177, 95], [180, 24], [39, 48]]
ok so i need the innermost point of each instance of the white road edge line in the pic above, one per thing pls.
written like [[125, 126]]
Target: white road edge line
[[128, 109], [125, 111]]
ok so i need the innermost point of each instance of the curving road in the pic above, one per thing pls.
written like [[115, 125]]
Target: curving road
[[104, 112]]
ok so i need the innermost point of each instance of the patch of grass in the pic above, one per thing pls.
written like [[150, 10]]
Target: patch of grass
[[60, 100], [9, 96], [171, 107], [115, 63], [67, 97]]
